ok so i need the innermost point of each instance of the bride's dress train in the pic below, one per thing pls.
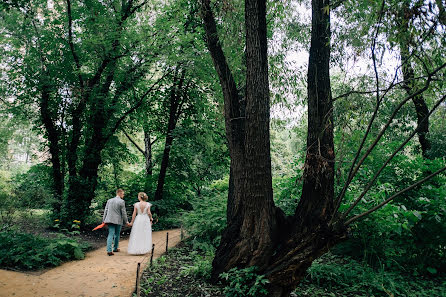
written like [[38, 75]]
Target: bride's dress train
[[140, 241]]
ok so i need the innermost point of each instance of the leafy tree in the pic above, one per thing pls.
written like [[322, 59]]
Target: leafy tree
[[258, 233]]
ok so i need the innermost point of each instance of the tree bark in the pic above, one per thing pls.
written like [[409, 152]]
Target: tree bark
[[311, 236], [248, 238], [54, 146], [82, 186], [258, 233], [148, 152], [318, 187], [409, 85], [176, 96]]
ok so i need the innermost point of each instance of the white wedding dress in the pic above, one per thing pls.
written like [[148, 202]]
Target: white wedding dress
[[140, 241]]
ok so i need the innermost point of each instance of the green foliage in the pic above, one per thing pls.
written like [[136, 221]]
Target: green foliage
[[182, 272], [244, 282], [201, 267], [287, 192], [8, 203], [30, 252], [410, 232], [342, 276], [206, 221], [33, 188]]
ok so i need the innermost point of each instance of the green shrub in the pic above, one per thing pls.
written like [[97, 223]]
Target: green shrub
[[287, 191], [244, 282], [29, 252], [410, 232], [207, 220], [201, 267], [332, 275], [34, 188]]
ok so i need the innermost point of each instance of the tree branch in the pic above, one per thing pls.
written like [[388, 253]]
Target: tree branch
[[381, 133], [386, 90], [133, 142], [372, 181], [372, 119], [393, 196], [71, 44], [137, 105]]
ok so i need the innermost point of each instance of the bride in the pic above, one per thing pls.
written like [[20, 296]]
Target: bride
[[140, 241]]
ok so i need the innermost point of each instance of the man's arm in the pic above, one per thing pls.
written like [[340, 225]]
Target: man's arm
[[105, 211], [124, 213]]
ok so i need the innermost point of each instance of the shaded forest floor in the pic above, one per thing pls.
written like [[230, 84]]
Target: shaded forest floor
[[185, 270]]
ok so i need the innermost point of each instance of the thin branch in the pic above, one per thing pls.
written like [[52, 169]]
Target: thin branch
[[395, 111], [386, 90], [372, 181], [375, 142], [133, 142], [155, 140], [70, 42], [351, 173], [137, 105], [393, 196], [138, 7]]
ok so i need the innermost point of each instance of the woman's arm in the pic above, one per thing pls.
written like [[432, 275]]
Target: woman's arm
[[150, 214], [133, 215]]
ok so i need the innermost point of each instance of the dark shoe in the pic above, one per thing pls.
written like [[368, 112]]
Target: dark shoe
[[110, 253], [117, 250]]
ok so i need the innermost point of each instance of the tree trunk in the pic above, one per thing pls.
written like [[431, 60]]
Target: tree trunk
[[82, 186], [409, 85], [251, 231], [311, 236], [174, 106], [318, 186], [148, 152], [258, 233], [54, 147]]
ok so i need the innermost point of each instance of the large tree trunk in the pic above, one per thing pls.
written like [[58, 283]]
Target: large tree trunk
[[248, 239], [83, 186], [311, 236], [54, 147], [258, 233], [176, 96], [251, 229]]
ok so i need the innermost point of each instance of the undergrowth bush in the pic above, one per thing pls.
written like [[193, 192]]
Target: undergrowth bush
[[333, 275], [29, 252], [201, 267], [207, 220], [408, 234], [244, 282]]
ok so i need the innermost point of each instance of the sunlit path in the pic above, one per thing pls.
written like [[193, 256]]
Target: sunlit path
[[96, 275]]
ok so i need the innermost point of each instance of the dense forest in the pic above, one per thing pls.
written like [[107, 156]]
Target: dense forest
[[301, 144]]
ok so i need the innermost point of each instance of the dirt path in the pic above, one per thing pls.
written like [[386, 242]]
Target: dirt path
[[97, 275]]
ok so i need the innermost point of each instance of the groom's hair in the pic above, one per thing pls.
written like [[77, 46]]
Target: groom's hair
[[119, 191]]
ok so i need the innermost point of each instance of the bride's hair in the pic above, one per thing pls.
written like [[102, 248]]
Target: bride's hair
[[143, 196]]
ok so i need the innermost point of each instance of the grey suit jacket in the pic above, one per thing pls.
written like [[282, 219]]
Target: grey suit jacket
[[114, 212]]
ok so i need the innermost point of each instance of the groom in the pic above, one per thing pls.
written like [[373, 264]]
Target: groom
[[114, 216]]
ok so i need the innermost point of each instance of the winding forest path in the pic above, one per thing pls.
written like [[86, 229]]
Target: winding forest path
[[97, 275]]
